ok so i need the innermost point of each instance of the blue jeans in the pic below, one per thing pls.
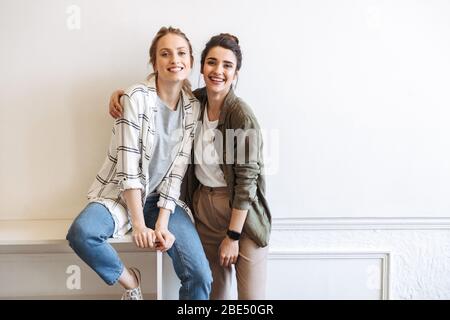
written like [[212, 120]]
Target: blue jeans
[[90, 231]]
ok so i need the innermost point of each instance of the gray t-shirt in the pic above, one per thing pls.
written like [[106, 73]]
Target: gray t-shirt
[[169, 133]]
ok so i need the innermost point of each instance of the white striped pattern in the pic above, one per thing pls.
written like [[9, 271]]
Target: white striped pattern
[[130, 151]]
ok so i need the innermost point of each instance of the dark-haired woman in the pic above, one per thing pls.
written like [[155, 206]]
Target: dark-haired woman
[[226, 186]]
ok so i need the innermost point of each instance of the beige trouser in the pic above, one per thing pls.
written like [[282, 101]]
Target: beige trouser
[[212, 219]]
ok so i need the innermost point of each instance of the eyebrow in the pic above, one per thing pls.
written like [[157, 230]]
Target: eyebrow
[[226, 61], [171, 49]]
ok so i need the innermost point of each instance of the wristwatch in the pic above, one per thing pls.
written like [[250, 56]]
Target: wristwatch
[[233, 235]]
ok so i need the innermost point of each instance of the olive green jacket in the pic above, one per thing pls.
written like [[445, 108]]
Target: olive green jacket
[[244, 177]]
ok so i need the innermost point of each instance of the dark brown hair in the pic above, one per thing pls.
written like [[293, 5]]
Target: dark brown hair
[[227, 41]]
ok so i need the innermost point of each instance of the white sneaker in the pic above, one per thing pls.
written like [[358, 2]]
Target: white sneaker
[[134, 294]]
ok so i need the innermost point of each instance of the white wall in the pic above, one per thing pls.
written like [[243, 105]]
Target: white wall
[[353, 96], [355, 90]]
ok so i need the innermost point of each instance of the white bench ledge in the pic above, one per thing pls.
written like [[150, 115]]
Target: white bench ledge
[[40, 232], [51, 233]]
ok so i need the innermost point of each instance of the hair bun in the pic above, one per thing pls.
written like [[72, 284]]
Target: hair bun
[[230, 37]]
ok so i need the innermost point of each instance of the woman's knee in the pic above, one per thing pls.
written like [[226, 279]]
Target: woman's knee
[[77, 234], [82, 233], [92, 225]]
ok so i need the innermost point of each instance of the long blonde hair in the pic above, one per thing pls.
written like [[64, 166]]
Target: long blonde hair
[[152, 52]]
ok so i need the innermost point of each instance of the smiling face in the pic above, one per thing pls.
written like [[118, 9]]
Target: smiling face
[[173, 58], [219, 69]]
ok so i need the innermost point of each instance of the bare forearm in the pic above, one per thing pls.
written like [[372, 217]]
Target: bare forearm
[[237, 220], [229, 248], [163, 218], [133, 200]]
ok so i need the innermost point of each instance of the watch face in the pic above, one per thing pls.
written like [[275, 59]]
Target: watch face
[[233, 235]]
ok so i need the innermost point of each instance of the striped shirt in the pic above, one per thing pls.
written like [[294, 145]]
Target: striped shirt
[[130, 151]]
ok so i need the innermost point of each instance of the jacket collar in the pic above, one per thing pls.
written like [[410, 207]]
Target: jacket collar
[[227, 104]]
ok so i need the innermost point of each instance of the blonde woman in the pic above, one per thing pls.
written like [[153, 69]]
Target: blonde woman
[[139, 183]]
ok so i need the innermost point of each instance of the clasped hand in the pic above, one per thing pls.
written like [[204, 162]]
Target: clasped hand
[[159, 239]]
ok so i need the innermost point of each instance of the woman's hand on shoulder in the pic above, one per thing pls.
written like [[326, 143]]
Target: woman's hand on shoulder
[[115, 109]]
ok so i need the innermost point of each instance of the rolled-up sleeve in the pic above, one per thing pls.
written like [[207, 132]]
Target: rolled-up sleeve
[[127, 133], [246, 163]]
